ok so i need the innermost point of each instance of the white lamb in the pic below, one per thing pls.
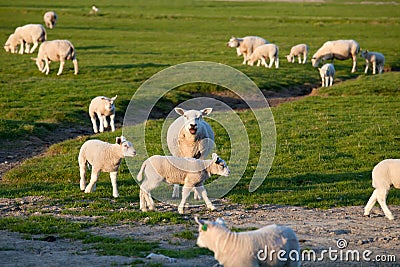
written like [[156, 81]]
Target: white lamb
[[189, 172], [385, 174], [50, 19], [298, 51], [57, 50], [271, 245], [246, 45], [262, 52], [103, 107], [103, 157], [339, 49], [27, 34], [377, 60], [327, 73]]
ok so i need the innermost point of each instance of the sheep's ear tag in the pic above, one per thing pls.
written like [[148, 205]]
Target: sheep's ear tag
[[204, 227]]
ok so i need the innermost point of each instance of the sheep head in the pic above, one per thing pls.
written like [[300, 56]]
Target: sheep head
[[127, 148], [192, 118], [233, 42], [109, 102], [206, 229]]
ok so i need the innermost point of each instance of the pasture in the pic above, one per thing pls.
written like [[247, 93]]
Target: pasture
[[327, 143]]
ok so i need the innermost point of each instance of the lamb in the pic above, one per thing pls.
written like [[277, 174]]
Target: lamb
[[102, 107], [377, 60], [188, 172], [271, 245], [103, 157], [56, 50], [50, 19], [27, 34], [263, 52], [298, 51], [246, 45], [384, 175], [339, 49], [327, 72]]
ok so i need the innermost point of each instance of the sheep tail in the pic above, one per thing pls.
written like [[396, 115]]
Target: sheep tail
[[71, 53], [140, 174], [43, 37]]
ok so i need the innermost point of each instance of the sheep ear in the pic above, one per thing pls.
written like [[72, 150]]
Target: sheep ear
[[118, 140], [206, 111], [115, 97], [214, 157], [199, 221], [180, 111]]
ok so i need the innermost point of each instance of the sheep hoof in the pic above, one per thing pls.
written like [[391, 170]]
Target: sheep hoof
[[390, 217], [180, 210], [144, 209], [115, 196], [211, 207]]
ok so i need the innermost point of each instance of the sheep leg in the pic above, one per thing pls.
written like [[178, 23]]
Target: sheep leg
[[105, 122], [276, 63], [82, 171], [330, 81], [27, 48], [271, 61], [381, 197], [94, 123], [75, 66], [185, 194], [196, 194], [203, 193], [21, 47], [371, 203], [113, 177], [46, 66], [143, 202], [35, 45], [60, 70], [354, 64], [101, 126], [299, 57], [91, 187], [304, 58], [263, 62], [244, 58], [175, 193], [112, 117], [374, 67]]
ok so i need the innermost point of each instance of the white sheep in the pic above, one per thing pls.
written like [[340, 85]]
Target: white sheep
[[272, 245], [339, 49], [103, 157], [327, 73], [189, 136], [189, 172], [26, 35], [377, 60], [298, 51], [50, 19], [385, 174], [103, 107], [246, 45], [56, 50], [94, 10], [262, 52]]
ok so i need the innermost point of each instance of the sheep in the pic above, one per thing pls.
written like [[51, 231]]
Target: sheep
[[339, 49], [189, 136], [384, 175], [298, 51], [50, 19], [56, 50], [262, 52], [377, 60], [103, 157], [246, 45], [327, 72], [102, 107], [27, 34], [94, 10], [188, 172], [272, 245]]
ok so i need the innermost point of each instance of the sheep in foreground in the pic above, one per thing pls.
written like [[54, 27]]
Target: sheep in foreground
[[298, 51], [385, 174], [50, 19], [188, 172], [57, 50], [26, 35], [377, 60], [103, 157], [327, 73], [246, 45], [189, 136], [339, 49], [266, 246], [103, 107], [263, 52]]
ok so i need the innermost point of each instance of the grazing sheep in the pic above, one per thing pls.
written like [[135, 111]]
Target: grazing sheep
[[56, 50], [27, 34], [272, 245], [188, 172], [377, 60], [94, 10], [103, 157], [263, 52], [50, 19], [189, 136], [327, 72], [246, 45], [102, 107], [298, 51], [339, 49], [385, 174]]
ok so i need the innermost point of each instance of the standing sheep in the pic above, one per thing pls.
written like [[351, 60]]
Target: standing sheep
[[271, 245], [262, 52], [102, 107], [385, 174], [246, 45], [50, 19], [298, 51], [327, 73], [189, 172], [27, 34], [57, 50], [339, 49], [103, 157], [377, 60]]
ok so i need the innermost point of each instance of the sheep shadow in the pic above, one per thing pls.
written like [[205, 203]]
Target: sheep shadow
[[132, 66]]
